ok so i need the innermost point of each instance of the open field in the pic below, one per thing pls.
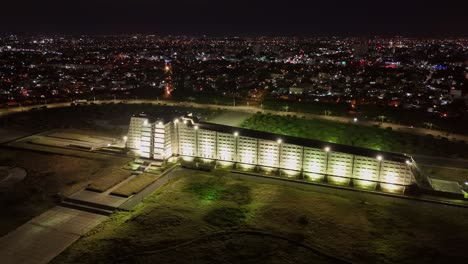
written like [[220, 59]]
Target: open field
[[444, 173], [200, 218], [106, 119], [49, 177], [135, 185], [356, 135], [106, 178], [370, 112], [230, 118]]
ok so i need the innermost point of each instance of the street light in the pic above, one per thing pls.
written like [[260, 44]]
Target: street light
[[279, 141], [327, 149], [379, 158], [195, 127], [125, 138], [355, 119], [236, 134]]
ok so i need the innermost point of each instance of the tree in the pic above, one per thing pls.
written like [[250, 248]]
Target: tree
[[428, 125], [382, 118]]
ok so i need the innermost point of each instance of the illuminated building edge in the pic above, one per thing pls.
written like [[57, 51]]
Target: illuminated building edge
[[184, 137]]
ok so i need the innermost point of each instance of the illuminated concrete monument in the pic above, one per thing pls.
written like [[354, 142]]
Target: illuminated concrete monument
[[187, 138]]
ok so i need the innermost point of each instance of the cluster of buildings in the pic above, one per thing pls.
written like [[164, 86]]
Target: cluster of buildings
[[166, 138], [428, 74]]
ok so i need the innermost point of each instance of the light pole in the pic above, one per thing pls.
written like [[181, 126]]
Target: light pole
[[196, 140], [236, 135], [327, 151], [279, 141], [176, 127], [379, 159]]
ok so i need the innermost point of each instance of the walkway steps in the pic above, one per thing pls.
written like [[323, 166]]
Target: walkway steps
[[88, 206]]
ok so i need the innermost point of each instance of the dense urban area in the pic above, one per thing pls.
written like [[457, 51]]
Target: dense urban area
[[371, 78]]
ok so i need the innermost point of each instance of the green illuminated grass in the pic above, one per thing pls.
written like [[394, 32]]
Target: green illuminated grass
[[135, 185], [131, 166], [356, 135], [200, 218]]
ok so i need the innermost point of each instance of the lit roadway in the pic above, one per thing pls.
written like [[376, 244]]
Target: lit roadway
[[254, 109]]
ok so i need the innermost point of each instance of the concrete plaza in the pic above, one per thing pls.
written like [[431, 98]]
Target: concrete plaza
[[46, 236]]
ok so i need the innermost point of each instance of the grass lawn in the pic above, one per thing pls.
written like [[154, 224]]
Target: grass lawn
[[356, 135], [131, 166], [105, 179], [200, 218], [76, 136], [444, 173], [135, 185], [154, 169]]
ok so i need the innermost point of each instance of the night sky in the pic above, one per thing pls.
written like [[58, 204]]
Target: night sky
[[224, 17]]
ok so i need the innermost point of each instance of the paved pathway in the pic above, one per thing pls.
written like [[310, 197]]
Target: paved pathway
[[45, 236]]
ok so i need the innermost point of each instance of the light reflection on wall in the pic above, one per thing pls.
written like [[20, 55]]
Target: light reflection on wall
[[225, 154], [247, 157], [187, 149], [314, 176], [315, 166], [392, 188], [338, 180], [291, 163], [270, 158], [339, 169]]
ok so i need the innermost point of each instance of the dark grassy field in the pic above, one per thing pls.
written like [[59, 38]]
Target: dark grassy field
[[200, 218], [50, 177], [356, 135], [106, 119], [459, 175]]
